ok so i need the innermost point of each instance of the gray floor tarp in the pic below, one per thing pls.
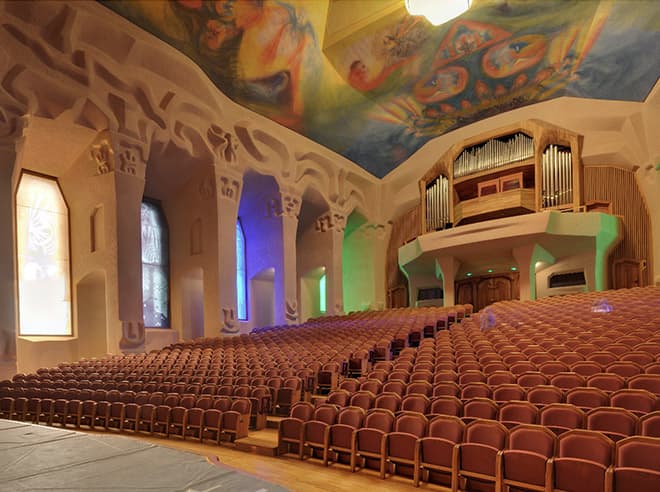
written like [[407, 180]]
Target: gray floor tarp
[[39, 458]]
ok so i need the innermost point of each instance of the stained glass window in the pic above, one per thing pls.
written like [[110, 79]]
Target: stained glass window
[[42, 237], [322, 293], [155, 267], [241, 273]]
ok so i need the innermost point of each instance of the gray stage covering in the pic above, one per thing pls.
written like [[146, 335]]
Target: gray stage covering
[[35, 457]]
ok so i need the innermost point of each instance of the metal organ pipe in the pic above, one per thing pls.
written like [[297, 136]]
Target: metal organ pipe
[[493, 153], [437, 204], [557, 176]]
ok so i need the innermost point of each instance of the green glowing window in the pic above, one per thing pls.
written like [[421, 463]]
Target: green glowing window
[[322, 293]]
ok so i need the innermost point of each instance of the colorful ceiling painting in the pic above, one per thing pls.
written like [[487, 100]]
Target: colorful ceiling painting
[[386, 89]]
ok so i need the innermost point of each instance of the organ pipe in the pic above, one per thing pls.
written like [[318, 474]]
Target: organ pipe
[[494, 153], [556, 177], [437, 204]]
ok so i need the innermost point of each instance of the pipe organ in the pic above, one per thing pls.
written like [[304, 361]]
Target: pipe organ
[[494, 153], [557, 172], [437, 204], [525, 168]]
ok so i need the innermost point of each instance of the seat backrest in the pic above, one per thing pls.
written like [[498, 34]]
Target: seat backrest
[[447, 427], [567, 380], [446, 405], [586, 445], [302, 410], [586, 368], [609, 419], [545, 395], [638, 452], [534, 438], [415, 403], [649, 424], [379, 418], [339, 398], [648, 382], [488, 432], [508, 392], [561, 415], [294, 383], [171, 400], [411, 423], [363, 399], [352, 416], [476, 389], [420, 388], [222, 404], [518, 411], [326, 413], [482, 408], [637, 400], [530, 379], [587, 397], [606, 382], [350, 384], [389, 401], [372, 385], [625, 369], [447, 388], [188, 401]]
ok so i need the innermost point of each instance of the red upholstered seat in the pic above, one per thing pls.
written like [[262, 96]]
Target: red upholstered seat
[[525, 463], [637, 466], [475, 457], [583, 462]]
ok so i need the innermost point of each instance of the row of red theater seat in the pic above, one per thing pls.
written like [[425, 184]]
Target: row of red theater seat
[[481, 386], [152, 414], [510, 411], [201, 368], [639, 402], [277, 396], [446, 450]]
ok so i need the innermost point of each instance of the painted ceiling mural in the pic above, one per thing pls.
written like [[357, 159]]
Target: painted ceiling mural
[[387, 89]]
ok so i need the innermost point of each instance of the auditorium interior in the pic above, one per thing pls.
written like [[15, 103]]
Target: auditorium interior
[[331, 244]]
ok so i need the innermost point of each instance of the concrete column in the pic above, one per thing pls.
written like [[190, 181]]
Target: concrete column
[[229, 184], [333, 225], [124, 284], [447, 266], [9, 150], [285, 208], [526, 257]]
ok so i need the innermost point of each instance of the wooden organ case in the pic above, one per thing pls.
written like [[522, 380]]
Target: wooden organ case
[[524, 168]]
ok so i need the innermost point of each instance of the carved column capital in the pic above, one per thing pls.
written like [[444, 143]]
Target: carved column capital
[[284, 204], [114, 152], [333, 220], [228, 185]]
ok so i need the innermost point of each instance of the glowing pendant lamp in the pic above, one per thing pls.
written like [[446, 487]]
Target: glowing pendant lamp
[[437, 11]]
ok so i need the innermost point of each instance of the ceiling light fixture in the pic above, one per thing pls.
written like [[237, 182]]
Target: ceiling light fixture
[[437, 11]]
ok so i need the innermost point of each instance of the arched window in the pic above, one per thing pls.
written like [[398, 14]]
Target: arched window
[[42, 243], [322, 294], [155, 267], [241, 273]]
